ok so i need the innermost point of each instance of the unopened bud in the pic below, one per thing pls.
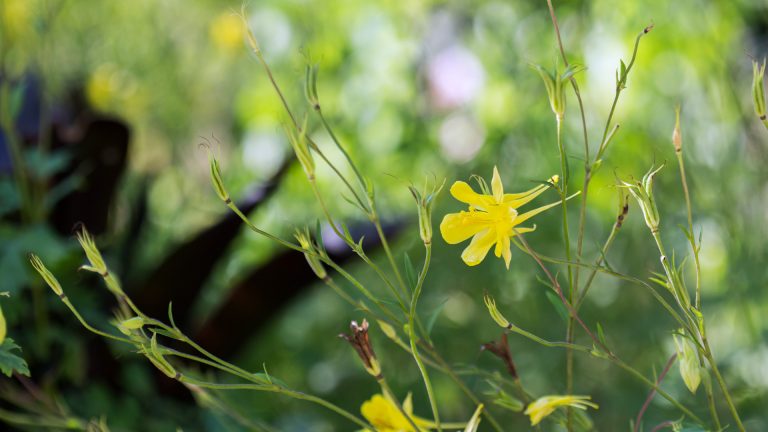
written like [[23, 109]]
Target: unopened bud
[[688, 359], [134, 323], [300, 145], [677, 136], [758, 88], [424, 203], [216, 180], [46, 275], [555, 85], [388, 330], [490, 303], [310, 254]]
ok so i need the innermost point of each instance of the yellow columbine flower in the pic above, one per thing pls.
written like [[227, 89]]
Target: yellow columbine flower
[[491, 219], [546, 405], [384, 415]]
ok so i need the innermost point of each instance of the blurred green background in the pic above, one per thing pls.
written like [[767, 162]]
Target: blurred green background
[[420, 89]]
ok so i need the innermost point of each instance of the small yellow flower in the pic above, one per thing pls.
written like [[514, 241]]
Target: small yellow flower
[[491, 219], [546, 405], [384, 415]]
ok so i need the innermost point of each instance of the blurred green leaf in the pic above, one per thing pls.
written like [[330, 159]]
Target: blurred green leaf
[[10, 362]]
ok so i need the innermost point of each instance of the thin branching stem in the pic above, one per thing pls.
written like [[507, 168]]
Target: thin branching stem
[[281, 390], [648, 400], [413, 338], [723, 386]]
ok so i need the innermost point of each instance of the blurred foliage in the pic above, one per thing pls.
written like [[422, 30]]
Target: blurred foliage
[[416, 89]]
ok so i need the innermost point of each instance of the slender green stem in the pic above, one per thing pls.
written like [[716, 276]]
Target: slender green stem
[[567, 242], [355, 247], [634, 372], [360, 179], [620, 276], [387, 250], [323, 258], [413, 338], [372, 213], [88, 327], [711, 401], [294, 121], [618, 362], [723, 387], [691, 236], [281, 390], [559, 291], [546, 343], [446, 368], [37, 421], [583, 293]]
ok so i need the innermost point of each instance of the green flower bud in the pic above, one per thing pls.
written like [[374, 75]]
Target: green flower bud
[[134, 323], [305, 240], [300, 145]]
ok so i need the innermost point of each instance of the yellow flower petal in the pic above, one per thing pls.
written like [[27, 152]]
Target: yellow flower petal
[[524, 198], [383, 414], [527, 215], [479, 246], [457, 227], [544, 406], [496, 187], [464, 193]]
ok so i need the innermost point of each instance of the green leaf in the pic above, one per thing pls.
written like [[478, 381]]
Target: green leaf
[[506, 401], [601, 334], [433, 317], [10, 362], [559, 306], [410, 272]]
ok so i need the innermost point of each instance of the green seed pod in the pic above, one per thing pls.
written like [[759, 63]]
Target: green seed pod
[[490, 303], [92, 253], [216, 180], [46, 275]]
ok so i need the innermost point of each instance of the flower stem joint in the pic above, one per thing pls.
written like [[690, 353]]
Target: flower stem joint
[[362, 345]]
